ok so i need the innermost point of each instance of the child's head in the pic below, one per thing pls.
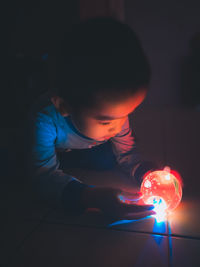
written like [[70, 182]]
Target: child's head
[[102, 72]]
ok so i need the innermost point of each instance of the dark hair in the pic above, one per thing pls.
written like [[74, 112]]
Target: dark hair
[[100, 55]]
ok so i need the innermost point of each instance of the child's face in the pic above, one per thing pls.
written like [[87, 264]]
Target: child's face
[[106, 120]]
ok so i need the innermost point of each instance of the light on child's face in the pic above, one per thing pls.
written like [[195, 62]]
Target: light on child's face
[[163, 190]]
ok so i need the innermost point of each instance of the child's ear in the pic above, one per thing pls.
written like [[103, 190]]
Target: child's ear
[[60, 105]]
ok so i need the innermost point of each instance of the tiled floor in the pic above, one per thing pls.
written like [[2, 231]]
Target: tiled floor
[[61, 245], [36, 236], [184, 252], [185, 220], [15, 207]]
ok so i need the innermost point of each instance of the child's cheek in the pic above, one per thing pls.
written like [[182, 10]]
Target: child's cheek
[[99, 131], [94, 130]]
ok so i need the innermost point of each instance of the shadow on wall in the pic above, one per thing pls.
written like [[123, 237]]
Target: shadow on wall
[[26, 80], [190, 75]]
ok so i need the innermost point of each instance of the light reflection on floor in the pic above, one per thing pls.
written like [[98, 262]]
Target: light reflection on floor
[[127, 221]]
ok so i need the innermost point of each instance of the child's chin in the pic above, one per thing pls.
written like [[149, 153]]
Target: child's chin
[[100, 140]]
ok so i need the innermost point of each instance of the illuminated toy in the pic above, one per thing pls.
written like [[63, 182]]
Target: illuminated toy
[[163, 189]]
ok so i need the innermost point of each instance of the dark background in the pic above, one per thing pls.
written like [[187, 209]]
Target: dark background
[[32, 32], [169, 31]]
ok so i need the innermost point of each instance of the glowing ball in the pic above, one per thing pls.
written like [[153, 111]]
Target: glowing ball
[[163, 189]]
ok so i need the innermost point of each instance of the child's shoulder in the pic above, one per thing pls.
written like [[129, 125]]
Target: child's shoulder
[[43, 106]]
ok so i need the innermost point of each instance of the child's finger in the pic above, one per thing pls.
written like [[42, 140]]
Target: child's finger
[[137, 208], [139, 215], [130, 196]]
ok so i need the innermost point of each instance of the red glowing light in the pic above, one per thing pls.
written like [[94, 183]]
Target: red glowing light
[[162, 188]]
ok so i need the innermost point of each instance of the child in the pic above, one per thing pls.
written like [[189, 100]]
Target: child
[[102, 77]]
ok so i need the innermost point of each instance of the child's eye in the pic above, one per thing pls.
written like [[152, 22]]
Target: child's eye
[[104, 123]]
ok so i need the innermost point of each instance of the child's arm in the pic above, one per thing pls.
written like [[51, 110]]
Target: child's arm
[[60, 189], [126, 153], [48, 181]]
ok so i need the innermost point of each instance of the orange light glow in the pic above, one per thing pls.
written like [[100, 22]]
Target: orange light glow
[[163, 189]]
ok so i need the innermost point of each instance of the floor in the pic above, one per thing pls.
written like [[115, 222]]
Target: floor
[[34, 235]]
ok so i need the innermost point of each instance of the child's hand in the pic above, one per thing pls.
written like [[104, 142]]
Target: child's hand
[[108, 201]]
